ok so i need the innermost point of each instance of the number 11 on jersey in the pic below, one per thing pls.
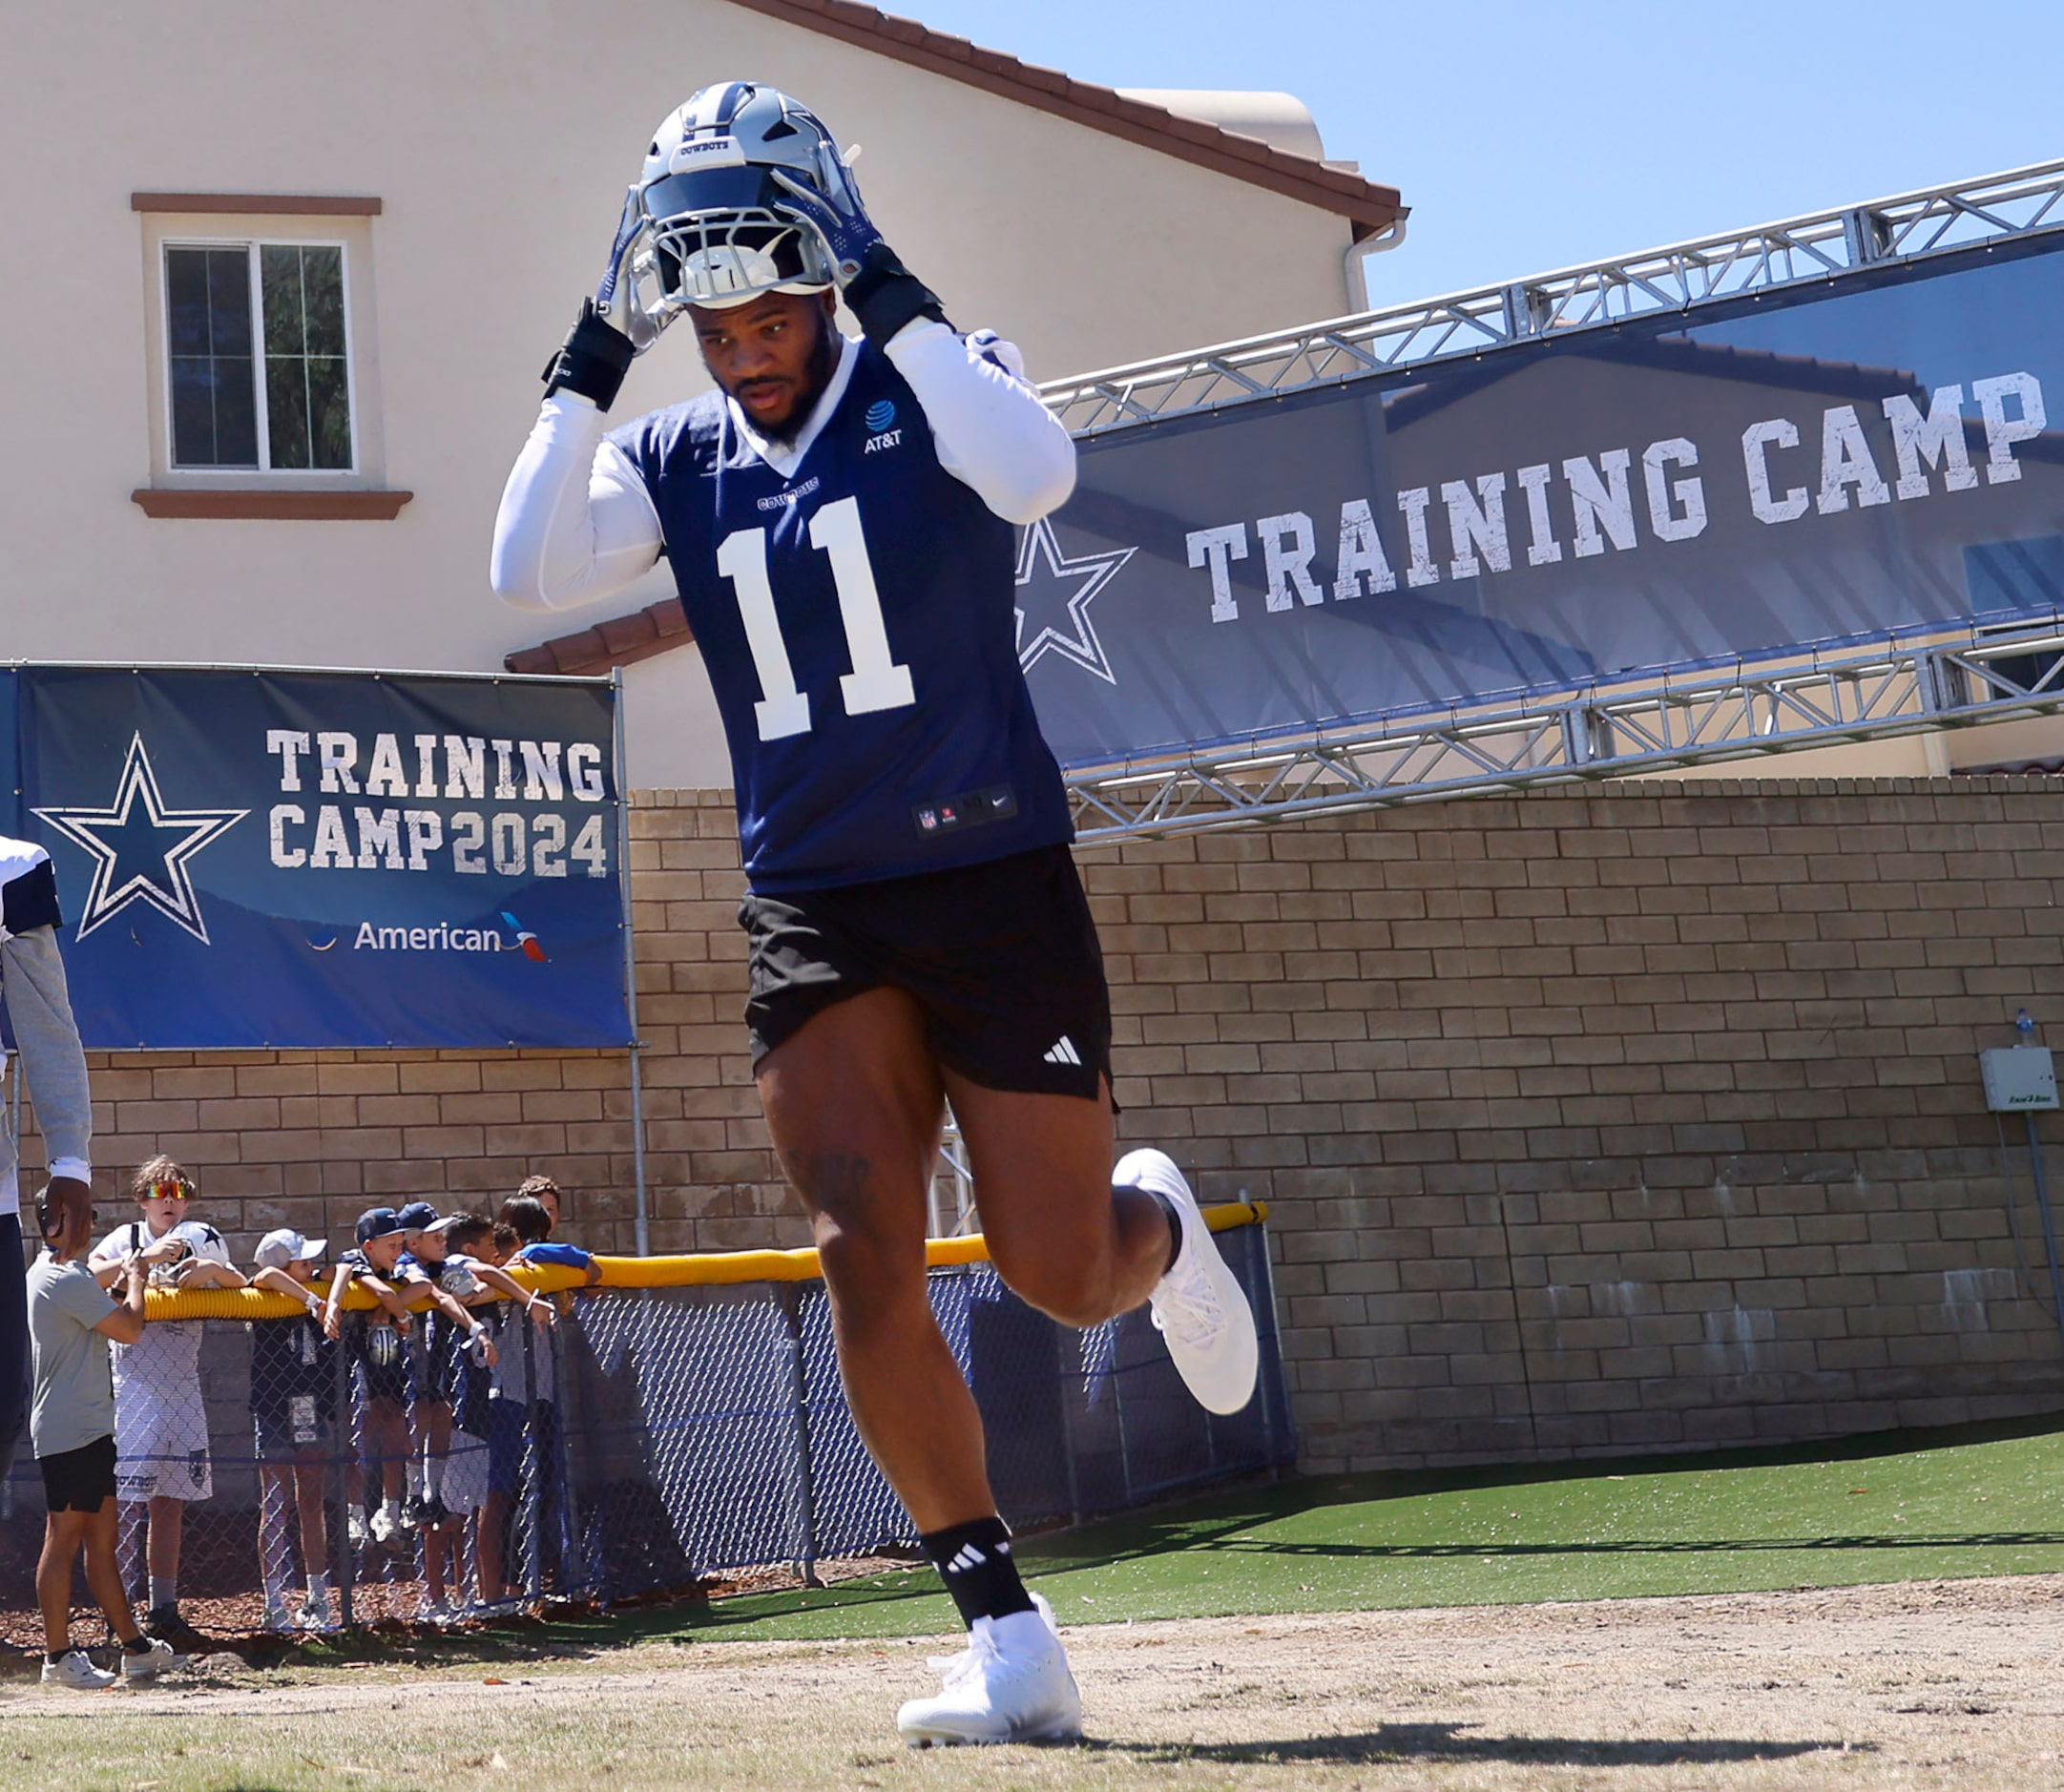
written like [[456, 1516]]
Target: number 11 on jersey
[[876, 682]]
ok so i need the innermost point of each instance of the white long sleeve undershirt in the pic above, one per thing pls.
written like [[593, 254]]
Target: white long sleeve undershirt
[[577, 524]]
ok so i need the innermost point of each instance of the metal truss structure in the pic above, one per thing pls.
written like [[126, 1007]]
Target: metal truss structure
[[1824, 698], [1810, 697], [1906, 227]]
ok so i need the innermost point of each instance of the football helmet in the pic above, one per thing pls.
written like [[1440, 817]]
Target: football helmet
[[718, 227]]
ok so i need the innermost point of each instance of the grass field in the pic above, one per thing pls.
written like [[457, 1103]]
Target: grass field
[[1210, 1661], [1952, 1505]]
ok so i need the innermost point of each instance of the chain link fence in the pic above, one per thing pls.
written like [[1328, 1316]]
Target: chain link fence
[[651, 1438]]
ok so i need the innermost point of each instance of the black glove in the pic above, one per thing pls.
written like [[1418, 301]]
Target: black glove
[[611, 331], [592, 360], [884, 296]]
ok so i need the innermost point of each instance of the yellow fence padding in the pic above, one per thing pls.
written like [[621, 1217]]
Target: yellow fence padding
[[710, 1269]]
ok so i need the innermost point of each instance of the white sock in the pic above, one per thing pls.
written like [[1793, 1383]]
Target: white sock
[[392, 1508], [433, 1476], [319, 1587], [358, 1512], [413, 1474], [163, 1592]]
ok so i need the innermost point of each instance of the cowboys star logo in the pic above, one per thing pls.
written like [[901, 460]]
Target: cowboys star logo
[[1054, 598], [141, 857]]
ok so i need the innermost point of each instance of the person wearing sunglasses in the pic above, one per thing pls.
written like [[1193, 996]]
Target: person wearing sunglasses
[[160, 1420]]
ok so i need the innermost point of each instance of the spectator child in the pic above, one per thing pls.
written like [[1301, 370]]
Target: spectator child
[[531, 1223], [451, 1333], [468, 1275], [293, 1404], [160, 1424], [544, 1192], [71, 1428], [380, 1355], [471, 1246]]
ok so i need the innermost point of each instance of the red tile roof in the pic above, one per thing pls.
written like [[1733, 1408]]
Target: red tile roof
[[1367, 206], [618, 641]]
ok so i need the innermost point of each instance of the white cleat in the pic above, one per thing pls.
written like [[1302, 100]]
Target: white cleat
[[1011, 1684], [146, 1668], [76, 1671], [1199, 1305]]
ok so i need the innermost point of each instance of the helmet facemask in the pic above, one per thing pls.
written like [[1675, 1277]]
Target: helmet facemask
[[717, 229], [727, 257]]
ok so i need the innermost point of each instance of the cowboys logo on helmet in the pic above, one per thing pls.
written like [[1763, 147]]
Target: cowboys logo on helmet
[[717, 226]]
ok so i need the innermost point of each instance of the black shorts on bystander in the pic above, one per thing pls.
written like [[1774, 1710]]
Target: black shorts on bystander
[[79, 1480]]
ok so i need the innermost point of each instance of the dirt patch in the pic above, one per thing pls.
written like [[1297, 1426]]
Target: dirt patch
[[1949, 1686]]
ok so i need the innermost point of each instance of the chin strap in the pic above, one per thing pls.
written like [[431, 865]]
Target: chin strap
[[592, 360], [886, 296]]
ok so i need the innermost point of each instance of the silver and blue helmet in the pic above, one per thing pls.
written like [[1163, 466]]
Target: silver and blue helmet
[[715, 233]]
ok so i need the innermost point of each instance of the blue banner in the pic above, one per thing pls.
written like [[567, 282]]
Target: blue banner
[[1866, 456], [253, 859]]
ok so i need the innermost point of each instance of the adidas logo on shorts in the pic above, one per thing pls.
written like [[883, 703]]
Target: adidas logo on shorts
[[1063, 1052]]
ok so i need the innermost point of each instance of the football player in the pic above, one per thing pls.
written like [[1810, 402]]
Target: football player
[[839, 519]]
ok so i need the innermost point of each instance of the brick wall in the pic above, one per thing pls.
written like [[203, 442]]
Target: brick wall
[[1624, 1117]]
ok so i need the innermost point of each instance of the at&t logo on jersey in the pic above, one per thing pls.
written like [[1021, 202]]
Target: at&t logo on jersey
[[880, 415]]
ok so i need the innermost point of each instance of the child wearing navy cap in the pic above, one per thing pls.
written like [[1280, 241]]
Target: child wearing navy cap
[[380, 1355]]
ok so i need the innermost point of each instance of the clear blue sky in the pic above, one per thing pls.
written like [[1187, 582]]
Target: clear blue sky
[[1527, 137]]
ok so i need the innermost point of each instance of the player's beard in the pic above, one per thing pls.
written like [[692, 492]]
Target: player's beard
[[823, 363]]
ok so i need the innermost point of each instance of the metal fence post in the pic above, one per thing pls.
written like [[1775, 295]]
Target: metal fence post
[[341, 1467], [1072, 1391], [1275, 1421], [788, 1297], [533, 1507], [571, 1542], [641, 1213]]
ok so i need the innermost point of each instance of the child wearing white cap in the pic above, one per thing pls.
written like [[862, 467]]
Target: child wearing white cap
[[292, 1406]]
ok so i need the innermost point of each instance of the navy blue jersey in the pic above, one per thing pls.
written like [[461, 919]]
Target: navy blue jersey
[[290, 1358], [858, 623]]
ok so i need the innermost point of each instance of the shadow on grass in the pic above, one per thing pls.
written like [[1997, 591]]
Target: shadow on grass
[[1396, 1743]]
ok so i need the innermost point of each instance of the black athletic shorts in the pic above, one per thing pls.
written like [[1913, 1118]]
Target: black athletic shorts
[[79, 1480], [1002, 958]]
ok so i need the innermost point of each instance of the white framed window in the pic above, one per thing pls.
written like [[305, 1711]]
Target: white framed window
[[257, 363]]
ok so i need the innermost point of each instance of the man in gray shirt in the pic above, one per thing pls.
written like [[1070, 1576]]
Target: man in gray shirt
[[71, 1425]]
